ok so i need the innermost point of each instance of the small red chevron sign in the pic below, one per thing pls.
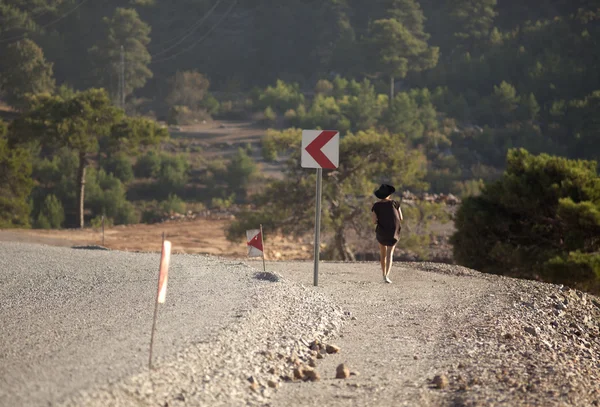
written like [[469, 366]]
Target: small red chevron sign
[[320, 149], [254, 243]]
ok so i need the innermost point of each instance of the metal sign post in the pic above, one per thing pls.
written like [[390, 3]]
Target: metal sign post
[[318, 224], [320, 149]]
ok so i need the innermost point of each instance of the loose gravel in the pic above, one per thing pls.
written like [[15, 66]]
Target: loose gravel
[[444, 335], [76, 326]]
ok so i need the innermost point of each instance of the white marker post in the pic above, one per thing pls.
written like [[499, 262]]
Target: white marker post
[[161, 294], [320, 149]]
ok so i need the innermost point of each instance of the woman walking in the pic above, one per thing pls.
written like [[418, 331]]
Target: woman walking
[[387, 215]]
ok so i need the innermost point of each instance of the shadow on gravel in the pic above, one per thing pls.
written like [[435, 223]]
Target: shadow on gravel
[[90, 247], [267, 276]]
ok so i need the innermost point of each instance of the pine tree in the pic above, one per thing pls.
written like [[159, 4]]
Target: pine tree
[[399, 42], [15, 183], [124, 29], [24, 71], [473, 21]]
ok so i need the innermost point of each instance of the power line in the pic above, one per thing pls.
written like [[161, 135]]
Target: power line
[[189, 31], [201, 39], [20, 37]]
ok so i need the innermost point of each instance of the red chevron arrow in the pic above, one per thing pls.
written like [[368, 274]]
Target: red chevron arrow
[[256, 242], [314, 149]]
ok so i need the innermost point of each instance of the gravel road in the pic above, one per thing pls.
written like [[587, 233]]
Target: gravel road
[[71, 318], [496, 341], [76, 326]]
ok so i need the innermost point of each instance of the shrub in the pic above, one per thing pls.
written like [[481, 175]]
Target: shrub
[[188, 89], [148, 165], [324, 87], [173, 204], [96, 222], [120, 166], [281, 97], [239, 174], [540, 220], [324, 113], [126, 214], [222, 203], [105, 195], [51, 215], [173, 174], [269, 116]]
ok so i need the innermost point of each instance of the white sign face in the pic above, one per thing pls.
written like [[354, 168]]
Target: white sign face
[[320, 149]]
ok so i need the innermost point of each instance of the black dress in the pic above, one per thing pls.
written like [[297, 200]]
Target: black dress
[[388, 222]]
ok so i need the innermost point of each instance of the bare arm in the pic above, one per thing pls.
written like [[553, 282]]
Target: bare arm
[[400, 212]]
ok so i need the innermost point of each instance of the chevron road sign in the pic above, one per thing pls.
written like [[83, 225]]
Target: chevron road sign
[[320, 149]]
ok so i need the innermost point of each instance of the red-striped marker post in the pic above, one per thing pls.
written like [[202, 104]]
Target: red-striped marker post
[[161, 294]]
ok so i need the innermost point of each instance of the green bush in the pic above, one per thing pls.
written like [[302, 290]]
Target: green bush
[[96, 222], [210, 104], [51, 215], [173, 204], [126, 214], [281, 97], [324, 113], [148, 165], [324, 87], [240, 171], [173, 174], [540, 220], [222, 203], [105, 195], [269, 116], [120, 166]]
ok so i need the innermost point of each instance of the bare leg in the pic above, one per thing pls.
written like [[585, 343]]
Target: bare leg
[[382, 257], [389, 258]]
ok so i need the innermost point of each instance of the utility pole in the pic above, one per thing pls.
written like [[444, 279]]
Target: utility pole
[[122, 79]]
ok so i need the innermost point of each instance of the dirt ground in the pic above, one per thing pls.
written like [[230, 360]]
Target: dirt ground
[[199, 236]]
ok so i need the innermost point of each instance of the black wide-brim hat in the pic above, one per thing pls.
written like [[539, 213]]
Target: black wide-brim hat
[[384, 191]]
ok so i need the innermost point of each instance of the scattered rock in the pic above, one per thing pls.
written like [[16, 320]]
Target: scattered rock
[[415, 357], [332, 349], [440, 381], [320, 355], [312, 362], [342, 372], [273, 384], [298, 373], [531, 330], [311, 374]]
